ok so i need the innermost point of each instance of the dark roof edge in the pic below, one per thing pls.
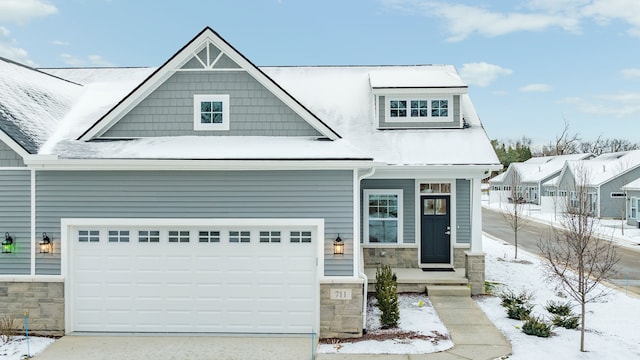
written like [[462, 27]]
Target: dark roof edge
[[37, 70]]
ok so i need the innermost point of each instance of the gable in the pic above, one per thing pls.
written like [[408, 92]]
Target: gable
[[8, 157], [164, 104]]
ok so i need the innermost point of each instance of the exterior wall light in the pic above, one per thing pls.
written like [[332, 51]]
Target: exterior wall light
[[7, 245], [46, 246], [338, 246]]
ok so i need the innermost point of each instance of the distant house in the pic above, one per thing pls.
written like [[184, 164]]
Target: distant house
[[210, 195], [603, 176], [633, 202], [528, 178]]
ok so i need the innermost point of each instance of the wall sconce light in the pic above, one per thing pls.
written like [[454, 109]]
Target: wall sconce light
[[338, 246], [46, 246], [7, 245]]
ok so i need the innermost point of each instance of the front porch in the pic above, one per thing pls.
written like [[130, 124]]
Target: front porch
[[416, 280]]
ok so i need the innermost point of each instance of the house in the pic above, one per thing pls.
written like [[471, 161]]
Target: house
[[210, 195], [603, 178], [528, 177], [632, 190]]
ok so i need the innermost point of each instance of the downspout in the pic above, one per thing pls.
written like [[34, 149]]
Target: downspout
[[356, 239]]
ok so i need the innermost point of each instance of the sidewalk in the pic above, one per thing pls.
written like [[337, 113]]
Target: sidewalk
[[474, 335]]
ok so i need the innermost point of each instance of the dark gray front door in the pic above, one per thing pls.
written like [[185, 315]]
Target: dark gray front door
[[435, 243]]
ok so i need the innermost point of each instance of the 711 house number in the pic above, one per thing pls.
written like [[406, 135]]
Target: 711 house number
[[340, 294]]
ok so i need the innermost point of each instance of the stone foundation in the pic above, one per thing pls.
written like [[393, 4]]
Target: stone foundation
[[458, 255], [341, 318], [396, 257], [44, 302], [474, 271]]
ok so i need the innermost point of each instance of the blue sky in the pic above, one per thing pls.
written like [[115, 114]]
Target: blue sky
[[530, 64]]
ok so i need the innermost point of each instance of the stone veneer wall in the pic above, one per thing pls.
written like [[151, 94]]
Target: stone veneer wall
[[459, 255], [43, 300], [341, 318], [474, 270], [396, 257]]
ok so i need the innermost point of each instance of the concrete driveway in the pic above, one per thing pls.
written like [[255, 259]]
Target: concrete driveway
[[159, 347]]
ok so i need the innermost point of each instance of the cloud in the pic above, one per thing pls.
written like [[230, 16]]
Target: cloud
[[91, 60], [623, 104], [630, 73], [21, 11], [482, 73], [9, 50], [536, 88], [59, 43], [463, 21]]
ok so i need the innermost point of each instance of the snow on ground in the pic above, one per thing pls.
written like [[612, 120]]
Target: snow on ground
[[15, 349], [413, 317], [611, 325]]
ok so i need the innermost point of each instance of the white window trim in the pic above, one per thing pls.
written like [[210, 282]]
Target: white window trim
[[409, 118], [197, 125], [365, 214], [636, 201]]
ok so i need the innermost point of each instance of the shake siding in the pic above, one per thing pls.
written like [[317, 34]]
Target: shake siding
[[430, 124], [8, 157], [408, 195], [463, 211], [190, 194], [15, 218], [168, 111]]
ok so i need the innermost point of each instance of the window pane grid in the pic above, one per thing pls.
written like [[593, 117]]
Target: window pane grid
[[269, 236], [398, 108], [211, 112], [239, 236], [118, 235], [149, 236], [209, 236], [89, 235], [176, 236], [300, 236]]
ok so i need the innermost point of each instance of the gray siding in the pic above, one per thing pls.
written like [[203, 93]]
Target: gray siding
[[15, 219], [8, 157], [388, 125], [409, 207], [168, 111], [190, 194], [615, 207], [632, 194], [463, 211]]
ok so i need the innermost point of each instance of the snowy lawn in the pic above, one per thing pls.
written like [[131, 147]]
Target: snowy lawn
[[611, 325], [420, 331], [16, 349]]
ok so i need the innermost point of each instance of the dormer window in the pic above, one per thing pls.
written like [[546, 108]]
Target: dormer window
[[418, 109], [211, 112]]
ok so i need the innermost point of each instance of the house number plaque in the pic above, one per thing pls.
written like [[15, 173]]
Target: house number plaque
[[340, 294]]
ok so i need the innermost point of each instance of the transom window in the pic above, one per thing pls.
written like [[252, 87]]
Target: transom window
[[181, 236], [149, 236], [88, 235], [435, 188], [269, 236], [118, 235], [208, 236], [239, 236], [383, 216], [300, 236], [414, 109], [211, 112]]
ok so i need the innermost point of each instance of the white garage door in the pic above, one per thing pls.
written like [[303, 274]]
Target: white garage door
[[215, 278]]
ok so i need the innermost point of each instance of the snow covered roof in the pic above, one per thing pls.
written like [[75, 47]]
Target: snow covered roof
[[33, 103], [498, 178], [604, 167], [634, 185], [558, 158], [430, 76]]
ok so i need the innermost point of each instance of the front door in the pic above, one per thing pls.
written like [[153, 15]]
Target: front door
[[435, 243]]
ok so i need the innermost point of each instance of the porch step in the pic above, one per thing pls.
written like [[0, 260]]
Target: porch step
[[448, 290]]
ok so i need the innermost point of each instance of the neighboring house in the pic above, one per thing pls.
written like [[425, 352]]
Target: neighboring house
[[528, 178], [210, 195], [603, 178], [633, 202]]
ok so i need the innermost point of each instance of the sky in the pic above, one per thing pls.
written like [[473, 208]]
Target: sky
[[530, 65]]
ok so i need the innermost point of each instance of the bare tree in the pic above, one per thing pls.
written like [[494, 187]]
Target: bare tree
[[575, 258], [513, 210], [566, 143]]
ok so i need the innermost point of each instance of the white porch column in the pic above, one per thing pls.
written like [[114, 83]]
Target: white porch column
[[476, 216]]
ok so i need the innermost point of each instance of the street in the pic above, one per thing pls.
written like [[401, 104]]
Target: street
[[494, 224]]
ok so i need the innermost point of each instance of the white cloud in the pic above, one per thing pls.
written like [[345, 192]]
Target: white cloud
[[536, 88], [59, 43], [91, 60], [482, 73], [630, 73], [604, 11], [623, 104], [21, 11], [9, 50]]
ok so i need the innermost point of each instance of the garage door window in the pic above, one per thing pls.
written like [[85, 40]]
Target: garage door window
[[300, 236], [209, 236], [88, 235], [239, 236], [178, 236], [118, 235], [269, 236], [149, 236]]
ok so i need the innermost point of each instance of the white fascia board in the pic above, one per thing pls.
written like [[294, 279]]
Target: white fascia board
[[435, 171], [13, 145], [182, 165], [421, 91]]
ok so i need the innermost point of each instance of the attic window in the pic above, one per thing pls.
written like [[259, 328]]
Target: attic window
[[419, 109], [211, 112]]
